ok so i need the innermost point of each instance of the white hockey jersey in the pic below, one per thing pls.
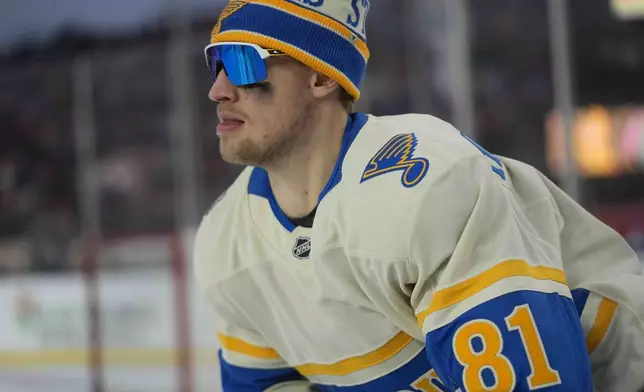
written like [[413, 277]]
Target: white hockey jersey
[[431, 265]]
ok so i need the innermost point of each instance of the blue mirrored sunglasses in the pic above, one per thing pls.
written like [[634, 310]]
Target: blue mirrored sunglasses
[[243, 63]]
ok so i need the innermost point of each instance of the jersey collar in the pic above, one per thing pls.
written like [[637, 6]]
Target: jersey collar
[[259, 184]]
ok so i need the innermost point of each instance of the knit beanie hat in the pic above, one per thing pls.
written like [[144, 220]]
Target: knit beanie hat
[[326, 35]]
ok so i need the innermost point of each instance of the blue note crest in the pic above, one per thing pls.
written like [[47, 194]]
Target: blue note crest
[[398, 155]]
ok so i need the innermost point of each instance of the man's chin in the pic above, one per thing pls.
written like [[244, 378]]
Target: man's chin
[[233, 157]]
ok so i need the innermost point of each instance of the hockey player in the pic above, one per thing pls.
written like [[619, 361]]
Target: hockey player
[[364, 253]]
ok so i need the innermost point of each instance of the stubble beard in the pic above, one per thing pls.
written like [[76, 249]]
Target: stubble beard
[[277, 147]]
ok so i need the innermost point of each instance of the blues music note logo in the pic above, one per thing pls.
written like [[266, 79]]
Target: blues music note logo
[[398, 154]]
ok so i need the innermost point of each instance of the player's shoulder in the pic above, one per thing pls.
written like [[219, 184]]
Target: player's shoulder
[[406, 155], [225, 206], [415, 135], [217, 230], [389, 171]]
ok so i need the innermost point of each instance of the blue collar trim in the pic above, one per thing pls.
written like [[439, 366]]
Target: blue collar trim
[[259, 184]]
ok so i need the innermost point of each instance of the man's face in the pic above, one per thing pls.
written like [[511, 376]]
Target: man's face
[[262, 124]]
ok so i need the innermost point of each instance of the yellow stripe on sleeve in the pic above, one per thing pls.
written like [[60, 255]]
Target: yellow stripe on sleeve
[[354, 364], [470, 287], [237, 345], [605, 314]]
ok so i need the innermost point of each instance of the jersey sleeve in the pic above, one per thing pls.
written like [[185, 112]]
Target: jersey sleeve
[[491, 298], [614, 334], [608, 288], [247, 365], [247, 362]]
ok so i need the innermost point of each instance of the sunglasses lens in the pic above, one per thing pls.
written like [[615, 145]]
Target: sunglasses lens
[[242, 63]]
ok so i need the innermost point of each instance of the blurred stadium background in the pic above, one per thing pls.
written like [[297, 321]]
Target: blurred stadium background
[[108, 157]]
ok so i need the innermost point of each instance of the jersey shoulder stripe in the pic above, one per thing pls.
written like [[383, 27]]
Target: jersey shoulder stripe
[[468, 288]]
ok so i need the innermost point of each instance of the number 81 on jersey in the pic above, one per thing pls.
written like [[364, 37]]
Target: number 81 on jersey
[[478, 347]]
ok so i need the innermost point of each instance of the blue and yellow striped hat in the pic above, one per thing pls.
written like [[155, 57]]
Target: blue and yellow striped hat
[[326, 35]]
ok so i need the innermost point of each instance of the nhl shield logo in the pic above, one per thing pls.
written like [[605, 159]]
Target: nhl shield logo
[[302, 248]]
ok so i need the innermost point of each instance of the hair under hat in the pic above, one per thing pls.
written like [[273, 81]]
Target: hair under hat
[[326, 35]]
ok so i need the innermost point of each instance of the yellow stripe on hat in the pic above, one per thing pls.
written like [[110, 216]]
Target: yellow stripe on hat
[[293, 51], [320, 19]]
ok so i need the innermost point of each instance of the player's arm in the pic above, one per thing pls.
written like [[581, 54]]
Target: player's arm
[[247, 362], [608, 288], [614, 337], [491, 298]]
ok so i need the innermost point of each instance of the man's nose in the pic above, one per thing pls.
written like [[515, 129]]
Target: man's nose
[[222, 89]]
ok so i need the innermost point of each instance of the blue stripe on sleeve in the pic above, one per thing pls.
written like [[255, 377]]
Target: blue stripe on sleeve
[[241, 379], [580, 296], [476, 335]]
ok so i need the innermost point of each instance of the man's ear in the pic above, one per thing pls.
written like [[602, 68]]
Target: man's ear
[[322, 85]]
